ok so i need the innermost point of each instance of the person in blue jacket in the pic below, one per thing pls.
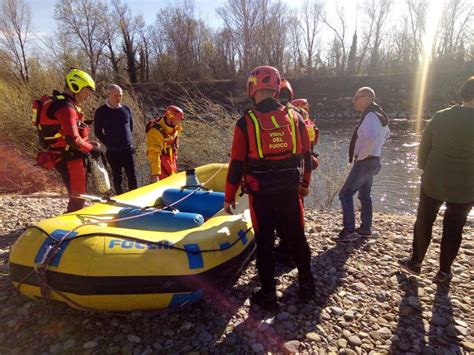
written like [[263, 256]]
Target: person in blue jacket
[[113, 126]]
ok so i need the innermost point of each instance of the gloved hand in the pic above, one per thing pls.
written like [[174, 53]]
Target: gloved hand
[[303, 190], [227, 207], [315, 161], [96, 151]]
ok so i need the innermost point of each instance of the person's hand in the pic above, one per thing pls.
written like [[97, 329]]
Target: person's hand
[[314, 161], [303, 190], [228, 205], [96, 151], [155, 178], [95, 144]]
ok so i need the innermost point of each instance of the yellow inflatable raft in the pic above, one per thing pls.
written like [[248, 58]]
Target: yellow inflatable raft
[[90, 259]]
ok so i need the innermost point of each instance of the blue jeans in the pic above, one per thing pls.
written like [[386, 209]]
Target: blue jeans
[[360, 179]]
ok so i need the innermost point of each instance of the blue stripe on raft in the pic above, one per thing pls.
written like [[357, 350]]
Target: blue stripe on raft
[[194, 256], [180, 299], [52, 239], [243, 236], [225, 246]]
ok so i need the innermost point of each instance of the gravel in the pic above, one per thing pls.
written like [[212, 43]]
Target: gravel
[[363, 302]]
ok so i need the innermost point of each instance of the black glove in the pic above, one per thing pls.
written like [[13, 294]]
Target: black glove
[[96, 152]]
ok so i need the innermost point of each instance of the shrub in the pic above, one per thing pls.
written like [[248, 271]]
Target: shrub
[[328, 179]]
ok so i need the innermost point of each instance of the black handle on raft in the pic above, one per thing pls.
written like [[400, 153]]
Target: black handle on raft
[[195, 187]]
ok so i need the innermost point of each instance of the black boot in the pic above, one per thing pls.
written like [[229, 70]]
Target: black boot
[[283, 256], [266, 300], [307, 289]]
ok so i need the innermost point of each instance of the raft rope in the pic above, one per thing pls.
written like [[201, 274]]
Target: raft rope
[[41, 268]]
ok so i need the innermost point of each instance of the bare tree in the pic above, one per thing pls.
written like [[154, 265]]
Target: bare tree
[[81, 22], [295, 57], [187, 41], [109, 33], [310, 16], [339, 46], [351, 59], [455, 25], [15, 23], [417, 10], [225, 55], [377, 11], [144, 54], [130, 27], [242, 18], [271, 33]]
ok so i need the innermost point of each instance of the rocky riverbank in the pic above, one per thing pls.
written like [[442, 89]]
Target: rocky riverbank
[[364, 304]]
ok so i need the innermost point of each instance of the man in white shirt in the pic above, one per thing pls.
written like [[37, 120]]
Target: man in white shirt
[[365, 150]]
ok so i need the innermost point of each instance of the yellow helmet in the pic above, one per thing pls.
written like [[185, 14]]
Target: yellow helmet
[[77, 80]]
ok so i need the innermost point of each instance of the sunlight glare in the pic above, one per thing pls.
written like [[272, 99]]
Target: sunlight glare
[[419, 94]]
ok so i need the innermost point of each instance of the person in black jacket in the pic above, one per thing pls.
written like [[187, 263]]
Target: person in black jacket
[[113, 126]]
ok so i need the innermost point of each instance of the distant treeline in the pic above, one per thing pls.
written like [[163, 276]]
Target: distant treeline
[[106, 38], [328, 96]]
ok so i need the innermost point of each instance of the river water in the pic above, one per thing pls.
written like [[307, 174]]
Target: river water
[[395, 188]]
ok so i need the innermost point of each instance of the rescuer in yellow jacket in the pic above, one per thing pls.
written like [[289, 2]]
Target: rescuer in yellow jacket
[[162, 143]]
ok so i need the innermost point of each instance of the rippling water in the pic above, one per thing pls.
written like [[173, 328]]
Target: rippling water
[[395, 188]]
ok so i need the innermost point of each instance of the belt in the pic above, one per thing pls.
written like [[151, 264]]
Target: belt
[[368, 158]]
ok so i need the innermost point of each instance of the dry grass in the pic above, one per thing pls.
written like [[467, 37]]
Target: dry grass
[[208, 131], [328, 179], [25, 177], [207, 137], [207, 127]]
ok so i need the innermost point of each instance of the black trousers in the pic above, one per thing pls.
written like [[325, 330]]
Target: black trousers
[[122, 159], [453, 222], [284, 211]]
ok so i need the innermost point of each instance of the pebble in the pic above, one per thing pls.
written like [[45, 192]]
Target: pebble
[[69, 344], [355, 340], [363, 302], [342, 343], [89, 345], [55, 348], [257, 347], [313, 337], [133, 338], [468, 345], [205, 337], [291, 346]]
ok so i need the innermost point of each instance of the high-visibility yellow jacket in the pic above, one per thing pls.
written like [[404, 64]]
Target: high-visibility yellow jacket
[[161, 139]]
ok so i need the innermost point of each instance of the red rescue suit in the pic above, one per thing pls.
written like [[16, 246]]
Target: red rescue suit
[[271, 151], [313, 133], [62, 128]]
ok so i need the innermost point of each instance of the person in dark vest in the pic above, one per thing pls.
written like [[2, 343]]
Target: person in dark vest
[[63, 131], [446, 156], [285, 96], [271, 151], [162, 142], [365, 149], [113, 126]]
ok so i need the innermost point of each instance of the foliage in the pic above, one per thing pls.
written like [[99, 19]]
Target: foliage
[[328, 178]]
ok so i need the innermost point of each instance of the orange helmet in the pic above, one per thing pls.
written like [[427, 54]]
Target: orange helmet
[[286, 90], [174, 112], [301, 103], [261, 78]]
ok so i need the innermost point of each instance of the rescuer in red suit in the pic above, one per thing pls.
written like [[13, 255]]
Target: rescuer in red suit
[[271, 152]]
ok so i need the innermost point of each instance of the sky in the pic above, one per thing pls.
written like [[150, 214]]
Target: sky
[[43, 23], [43, 10]]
